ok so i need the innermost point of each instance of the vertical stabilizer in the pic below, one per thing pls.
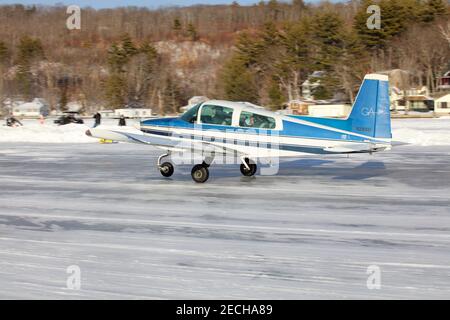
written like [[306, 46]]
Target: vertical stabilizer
[[371, 111]]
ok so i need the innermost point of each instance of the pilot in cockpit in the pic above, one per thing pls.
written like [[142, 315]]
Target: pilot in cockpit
[[249, 121]]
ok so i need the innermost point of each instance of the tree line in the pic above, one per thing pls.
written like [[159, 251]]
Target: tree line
[[269, 64], [264, 51]]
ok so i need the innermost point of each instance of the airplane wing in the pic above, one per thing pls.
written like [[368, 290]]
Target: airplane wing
[[133, 135]]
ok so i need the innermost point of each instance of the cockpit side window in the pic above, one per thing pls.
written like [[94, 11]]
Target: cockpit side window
[[216, 115], [254, 120], [191, 115]]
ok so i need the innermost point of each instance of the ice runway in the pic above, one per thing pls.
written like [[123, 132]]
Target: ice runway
[[309, 232]]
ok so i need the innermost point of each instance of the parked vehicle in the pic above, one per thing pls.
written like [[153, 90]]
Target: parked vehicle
[[69, 117]]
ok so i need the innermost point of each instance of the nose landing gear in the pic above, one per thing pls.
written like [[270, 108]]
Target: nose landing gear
[[166, 169]]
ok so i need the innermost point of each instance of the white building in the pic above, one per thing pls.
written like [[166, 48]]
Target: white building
[[9, 104], [31, 109], [133, 113], [74, 106], [107, 113], [442, 105], [329, 110], [444, 82]]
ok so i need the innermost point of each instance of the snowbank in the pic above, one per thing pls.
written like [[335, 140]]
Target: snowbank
[[422, 132], [33, 131], [71, 133]]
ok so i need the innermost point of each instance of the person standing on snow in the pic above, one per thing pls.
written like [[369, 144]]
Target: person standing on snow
[[98, 119], [122, 121]]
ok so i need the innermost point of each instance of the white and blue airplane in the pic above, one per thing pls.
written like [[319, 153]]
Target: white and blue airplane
[[219, 127]]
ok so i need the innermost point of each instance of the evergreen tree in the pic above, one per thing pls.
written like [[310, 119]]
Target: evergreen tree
[[117, 58], [432, 10], [327, 38], [275, 95], [128, 46], [396, 15], [63, 86], [4, 59], [192, 32], [327, 31], [4, 54], [151, 57], [115, 90], [177, 27], [173, 97], [29, 50], [239, 82], [274, 9], [249, 49]]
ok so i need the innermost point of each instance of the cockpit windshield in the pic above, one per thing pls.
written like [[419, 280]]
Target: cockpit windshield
[[191, 115]]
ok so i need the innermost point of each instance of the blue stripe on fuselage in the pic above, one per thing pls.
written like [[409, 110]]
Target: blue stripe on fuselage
[[290, 129], [293, 129]]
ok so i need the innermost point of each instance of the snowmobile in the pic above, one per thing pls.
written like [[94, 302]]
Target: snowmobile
[[13, 122], [67, 118]]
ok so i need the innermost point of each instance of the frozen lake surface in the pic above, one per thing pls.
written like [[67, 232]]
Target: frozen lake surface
[[309, 232]]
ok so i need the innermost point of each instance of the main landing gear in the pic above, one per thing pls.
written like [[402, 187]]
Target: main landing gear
[[199, 173], [248, 167]]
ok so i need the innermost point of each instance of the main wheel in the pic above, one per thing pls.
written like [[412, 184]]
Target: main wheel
[[200, 173], [248, 172], [166, 169]]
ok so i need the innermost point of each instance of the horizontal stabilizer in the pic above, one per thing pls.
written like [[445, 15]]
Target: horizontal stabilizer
[[357, 148]]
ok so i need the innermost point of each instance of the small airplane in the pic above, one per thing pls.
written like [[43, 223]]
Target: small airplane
[[250, 133]]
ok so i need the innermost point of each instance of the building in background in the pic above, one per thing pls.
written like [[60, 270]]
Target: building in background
[[442, 105], [8, 105], [329, 110], [32, 109], [317, 108], [411, 99], [133, 113], [74, 106], [107, 114], [444, 82]]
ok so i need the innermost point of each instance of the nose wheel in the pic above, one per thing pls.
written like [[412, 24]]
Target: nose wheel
[[200, 173], [166, 169]]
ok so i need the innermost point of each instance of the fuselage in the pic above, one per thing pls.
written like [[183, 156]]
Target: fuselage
[[273, 135]]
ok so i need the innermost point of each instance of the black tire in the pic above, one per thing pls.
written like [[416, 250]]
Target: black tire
[[166, 169], [246, 172], [200, 173]]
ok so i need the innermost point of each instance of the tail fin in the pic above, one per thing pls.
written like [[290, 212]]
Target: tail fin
[[371, 113]]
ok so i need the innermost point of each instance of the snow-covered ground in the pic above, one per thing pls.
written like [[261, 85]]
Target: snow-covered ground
[[309, 232], [33, 131]]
